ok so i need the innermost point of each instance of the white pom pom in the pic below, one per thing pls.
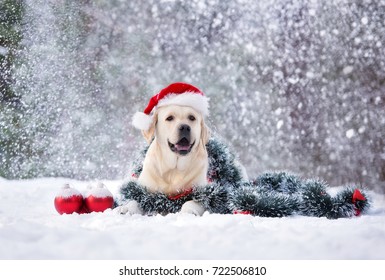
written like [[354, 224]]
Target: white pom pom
[[141, 121]]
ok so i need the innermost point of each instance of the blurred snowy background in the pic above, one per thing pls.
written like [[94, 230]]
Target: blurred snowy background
[[294, 84]]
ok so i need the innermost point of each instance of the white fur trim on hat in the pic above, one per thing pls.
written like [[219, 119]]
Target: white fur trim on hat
[[198, 102], [142, 121]]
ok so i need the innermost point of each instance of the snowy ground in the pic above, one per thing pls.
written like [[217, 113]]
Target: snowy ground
[[30, 228]]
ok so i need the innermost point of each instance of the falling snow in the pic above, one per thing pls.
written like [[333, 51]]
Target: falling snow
[[294, 85]]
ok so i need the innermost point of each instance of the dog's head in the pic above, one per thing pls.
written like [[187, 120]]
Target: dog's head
[[180, 128]]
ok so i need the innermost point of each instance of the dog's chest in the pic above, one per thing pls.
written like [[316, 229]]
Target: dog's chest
[[167, 173], [176, 180]]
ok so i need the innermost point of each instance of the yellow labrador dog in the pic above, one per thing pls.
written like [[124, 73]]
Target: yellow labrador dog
[[176, 160]]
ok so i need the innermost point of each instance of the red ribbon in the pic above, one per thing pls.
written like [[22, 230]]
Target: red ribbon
[[180, 195], [244, 212]]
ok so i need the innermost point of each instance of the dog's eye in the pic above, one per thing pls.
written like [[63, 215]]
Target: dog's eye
[[191, 118], [170, 118]]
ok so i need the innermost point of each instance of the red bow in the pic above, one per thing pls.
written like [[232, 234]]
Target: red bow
[[357, 196]]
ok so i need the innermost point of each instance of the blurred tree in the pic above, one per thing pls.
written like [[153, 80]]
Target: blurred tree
[[11, 12], [10, 36]]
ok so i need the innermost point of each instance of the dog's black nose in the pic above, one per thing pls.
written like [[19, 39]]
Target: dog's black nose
[[184, 128], [184, 131]]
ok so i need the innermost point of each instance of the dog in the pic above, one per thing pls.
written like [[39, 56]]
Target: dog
[[176, 160]]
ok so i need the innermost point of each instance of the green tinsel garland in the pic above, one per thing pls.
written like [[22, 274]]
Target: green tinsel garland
[[273, 194]]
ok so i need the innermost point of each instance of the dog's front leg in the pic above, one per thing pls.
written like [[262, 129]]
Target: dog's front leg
[[130, 208], [192, 207]]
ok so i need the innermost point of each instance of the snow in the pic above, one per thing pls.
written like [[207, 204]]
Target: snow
[[66, 191], [99, 191], [364, 20], [347, 70], [3, 51], [350, 133], [30, 228]]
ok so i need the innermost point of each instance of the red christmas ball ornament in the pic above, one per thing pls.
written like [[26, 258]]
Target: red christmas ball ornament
[[68, 200], [99, 199]]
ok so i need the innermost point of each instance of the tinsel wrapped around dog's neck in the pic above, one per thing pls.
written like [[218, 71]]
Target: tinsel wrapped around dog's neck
[[273, 194]]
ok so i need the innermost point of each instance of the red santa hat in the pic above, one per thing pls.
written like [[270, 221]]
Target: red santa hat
[[175, 94]]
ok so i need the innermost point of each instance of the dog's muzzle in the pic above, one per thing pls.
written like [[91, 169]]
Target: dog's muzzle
[[183, 146]]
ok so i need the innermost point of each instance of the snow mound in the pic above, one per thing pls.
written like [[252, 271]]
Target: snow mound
[[30, 228]]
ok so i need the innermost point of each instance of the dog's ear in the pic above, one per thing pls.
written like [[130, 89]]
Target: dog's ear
[[205, 133], [150, 133]]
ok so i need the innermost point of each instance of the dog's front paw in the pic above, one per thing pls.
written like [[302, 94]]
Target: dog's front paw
[[130, 208], [192, 207]]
